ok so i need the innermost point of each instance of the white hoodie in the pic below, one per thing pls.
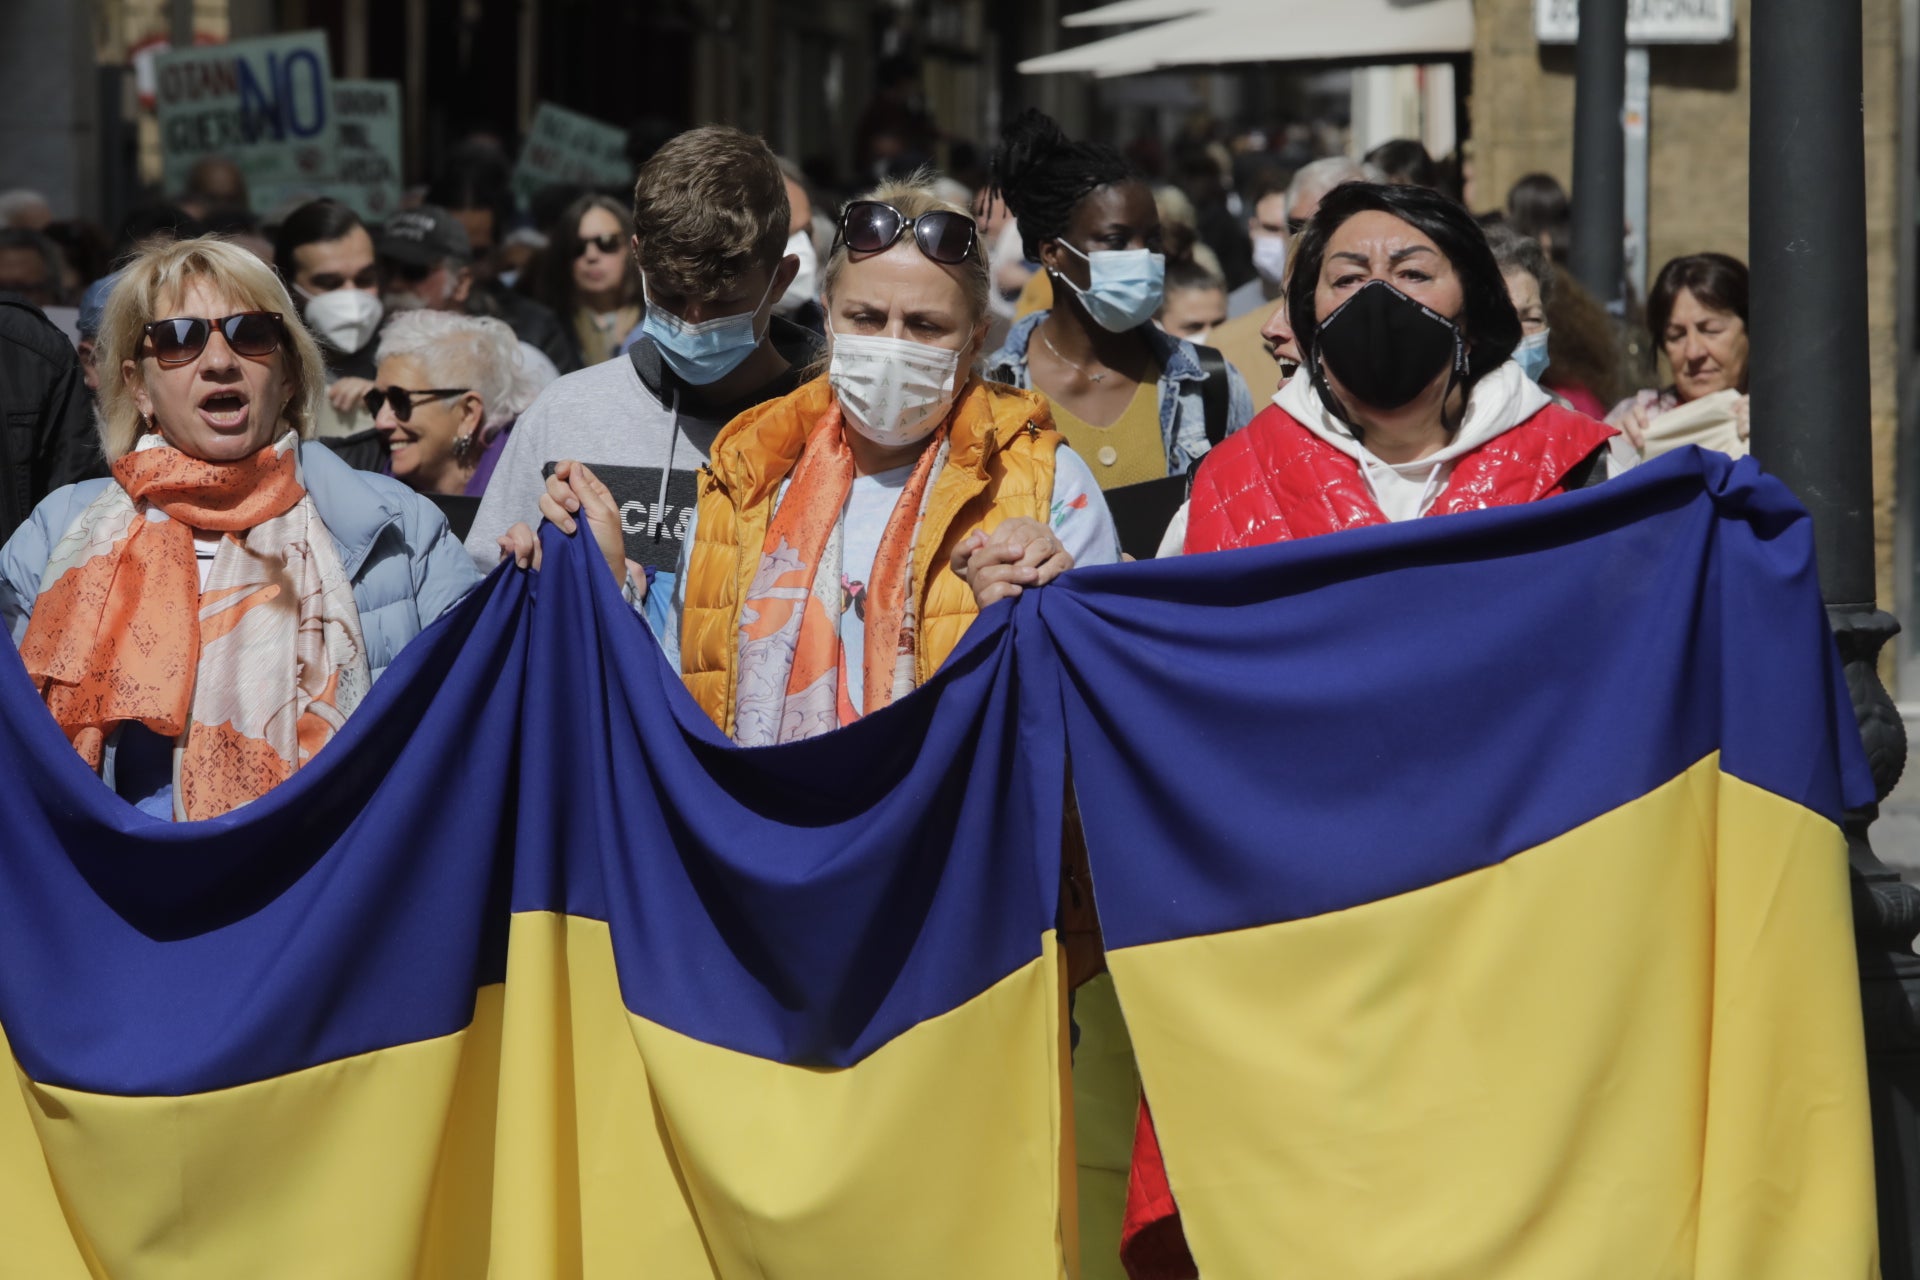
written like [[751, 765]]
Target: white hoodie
[[1500, 402]]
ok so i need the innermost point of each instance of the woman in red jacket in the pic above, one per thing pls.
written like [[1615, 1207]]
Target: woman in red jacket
[[1407, 404]]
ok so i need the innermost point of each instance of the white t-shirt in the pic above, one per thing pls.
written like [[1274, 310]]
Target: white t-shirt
[[1078, 517]]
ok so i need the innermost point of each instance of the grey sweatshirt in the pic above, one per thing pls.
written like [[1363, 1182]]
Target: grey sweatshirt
[[624, 427]]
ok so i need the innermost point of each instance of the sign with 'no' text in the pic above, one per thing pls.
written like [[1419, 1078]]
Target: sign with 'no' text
[[1648, 21], [266, 104]]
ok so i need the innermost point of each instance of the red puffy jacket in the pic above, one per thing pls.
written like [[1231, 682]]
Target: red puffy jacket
[[1276, 481]]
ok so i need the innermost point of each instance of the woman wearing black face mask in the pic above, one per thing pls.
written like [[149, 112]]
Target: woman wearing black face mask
[[1407, 331], [1408, 404]]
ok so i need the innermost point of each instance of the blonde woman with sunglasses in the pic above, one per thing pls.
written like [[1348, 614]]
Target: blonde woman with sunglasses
[[203, 622], [848, 533]]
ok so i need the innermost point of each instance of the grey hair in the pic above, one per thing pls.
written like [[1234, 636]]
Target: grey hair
[[466, 351], [1315, 179], [1516, 252]]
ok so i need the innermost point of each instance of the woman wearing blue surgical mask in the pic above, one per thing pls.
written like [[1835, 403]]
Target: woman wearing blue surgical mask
[[847, 534], [1136, 402]]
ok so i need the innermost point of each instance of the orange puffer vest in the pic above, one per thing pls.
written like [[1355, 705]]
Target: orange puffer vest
[[999, 465], [1276, 480]]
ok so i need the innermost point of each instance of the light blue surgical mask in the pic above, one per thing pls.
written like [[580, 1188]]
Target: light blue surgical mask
[[702, 354], [1532, 354], [1124, 286]]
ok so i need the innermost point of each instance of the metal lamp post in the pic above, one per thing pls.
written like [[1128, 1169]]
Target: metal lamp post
[[1598, 255], [1809, 384]]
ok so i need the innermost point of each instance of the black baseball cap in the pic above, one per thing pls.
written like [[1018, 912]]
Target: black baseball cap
[[424, 237]]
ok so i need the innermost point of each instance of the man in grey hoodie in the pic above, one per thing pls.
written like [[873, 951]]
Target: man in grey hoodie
[[710, 234]]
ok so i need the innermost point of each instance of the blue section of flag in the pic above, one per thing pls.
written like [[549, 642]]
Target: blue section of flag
[[803, 904], [1392, 706], [1377, 711]]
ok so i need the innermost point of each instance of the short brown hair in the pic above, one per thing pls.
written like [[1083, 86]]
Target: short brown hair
[[1717, 280], [709, 208]]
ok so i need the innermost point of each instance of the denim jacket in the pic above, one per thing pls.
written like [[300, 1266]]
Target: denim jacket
[[1183, 415]]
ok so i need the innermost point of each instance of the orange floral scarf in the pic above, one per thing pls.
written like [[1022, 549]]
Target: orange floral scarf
[[793, 666], [250, 675]]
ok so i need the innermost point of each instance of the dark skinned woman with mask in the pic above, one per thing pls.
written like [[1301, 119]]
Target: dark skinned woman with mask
[[1135, 402], [1408, 404]]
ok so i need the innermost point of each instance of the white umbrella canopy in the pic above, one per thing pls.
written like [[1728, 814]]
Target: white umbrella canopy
[[1227, 31]]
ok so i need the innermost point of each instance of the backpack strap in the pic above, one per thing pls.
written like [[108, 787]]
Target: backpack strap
[[1213, 393]]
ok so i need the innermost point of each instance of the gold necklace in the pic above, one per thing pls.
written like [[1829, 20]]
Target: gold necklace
[[1095, 378]]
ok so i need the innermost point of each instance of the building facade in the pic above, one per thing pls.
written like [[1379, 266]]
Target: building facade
[[1521, 112]]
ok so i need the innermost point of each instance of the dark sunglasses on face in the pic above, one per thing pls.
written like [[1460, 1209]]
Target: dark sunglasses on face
[[605, 244], [402, 399], [181, 339], [868, 226]]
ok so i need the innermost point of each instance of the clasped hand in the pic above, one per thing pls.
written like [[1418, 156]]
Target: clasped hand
[[1018, 554]]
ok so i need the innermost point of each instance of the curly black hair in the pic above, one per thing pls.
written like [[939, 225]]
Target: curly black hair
[[1042, 175], [1487, 320]]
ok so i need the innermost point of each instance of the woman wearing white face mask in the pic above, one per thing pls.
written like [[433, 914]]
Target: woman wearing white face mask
[[1136, 402], [801, 301], [847, 533]]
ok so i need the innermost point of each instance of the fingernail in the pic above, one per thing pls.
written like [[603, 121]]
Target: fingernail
[[571, 526]]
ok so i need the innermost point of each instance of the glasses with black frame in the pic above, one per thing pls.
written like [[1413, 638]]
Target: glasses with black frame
[[606, 244], [872, 226], [179, 340], [402, 399]]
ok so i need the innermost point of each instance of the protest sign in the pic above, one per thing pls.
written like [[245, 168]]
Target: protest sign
[[566, 147], [367, 155], [266, 104]]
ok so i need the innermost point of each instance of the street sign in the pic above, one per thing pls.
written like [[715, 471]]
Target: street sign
[[1648, 21], [565, 147], [266, 104], [367, 156]]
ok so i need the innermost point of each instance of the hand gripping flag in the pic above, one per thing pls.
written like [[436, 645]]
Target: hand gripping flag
[[532, 974], [1471, 887], [1474, 892]]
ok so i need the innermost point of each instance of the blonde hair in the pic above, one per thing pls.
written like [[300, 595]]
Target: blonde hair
[[915, 197], [477, 351], [158, 275]]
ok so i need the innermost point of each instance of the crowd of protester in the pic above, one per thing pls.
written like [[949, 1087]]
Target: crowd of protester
[[493, 354], [811, 433]]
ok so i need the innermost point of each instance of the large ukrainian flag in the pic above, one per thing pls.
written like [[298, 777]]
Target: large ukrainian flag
[[1474, 893], [532, 974]]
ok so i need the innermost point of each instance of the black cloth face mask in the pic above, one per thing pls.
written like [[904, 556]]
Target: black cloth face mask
[[1385, 348]]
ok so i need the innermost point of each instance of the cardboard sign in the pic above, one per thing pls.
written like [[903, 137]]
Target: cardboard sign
[[266, 104], [367, 158], [653, 534], [566, 148]]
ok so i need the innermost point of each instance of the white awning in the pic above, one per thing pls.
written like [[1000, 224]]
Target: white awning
[[1231, 31], [1112, 15]]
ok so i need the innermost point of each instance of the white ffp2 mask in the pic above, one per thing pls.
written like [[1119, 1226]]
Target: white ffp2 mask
[[892, 391], [806, 281], [344, 319]]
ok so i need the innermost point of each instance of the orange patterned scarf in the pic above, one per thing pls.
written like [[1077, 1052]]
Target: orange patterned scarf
[[793, 667], [250, 675]]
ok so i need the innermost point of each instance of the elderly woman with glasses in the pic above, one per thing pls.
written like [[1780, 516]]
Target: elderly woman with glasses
[[848, 533], [447, 393], [201, 623]]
